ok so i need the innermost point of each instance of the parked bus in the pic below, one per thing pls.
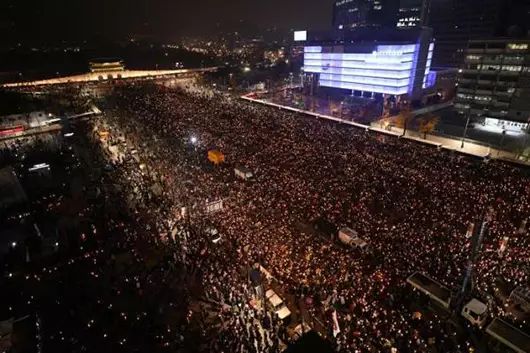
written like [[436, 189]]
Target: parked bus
[[432, 288], [507, 339]]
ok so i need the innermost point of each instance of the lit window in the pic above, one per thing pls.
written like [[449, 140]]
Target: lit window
[[513, 59], [515, 46], [489, 67], [464, 96], [513, 68]]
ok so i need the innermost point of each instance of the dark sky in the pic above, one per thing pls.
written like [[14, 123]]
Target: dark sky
[[56, 19]]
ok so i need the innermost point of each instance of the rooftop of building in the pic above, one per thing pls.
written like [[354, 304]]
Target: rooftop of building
[[105, 61]]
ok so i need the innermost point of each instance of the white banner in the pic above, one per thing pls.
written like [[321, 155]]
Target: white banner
[[336, 327]]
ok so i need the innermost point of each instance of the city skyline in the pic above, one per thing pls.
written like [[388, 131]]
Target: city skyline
[[165, 19]]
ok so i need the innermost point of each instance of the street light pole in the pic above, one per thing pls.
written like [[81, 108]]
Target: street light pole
[[501, 145], [465, 129], [311, 86], [524, 143]]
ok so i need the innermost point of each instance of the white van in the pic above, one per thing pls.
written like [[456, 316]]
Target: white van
[[348, 236], [243, 173], [359, 244], [475, 312]]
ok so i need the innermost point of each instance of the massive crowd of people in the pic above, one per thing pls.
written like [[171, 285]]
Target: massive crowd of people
[[411, 203]]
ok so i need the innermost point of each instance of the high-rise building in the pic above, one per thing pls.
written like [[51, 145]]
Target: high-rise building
[[412, 13], [364, 13], [494, 83], [455, 22], [372, 61]]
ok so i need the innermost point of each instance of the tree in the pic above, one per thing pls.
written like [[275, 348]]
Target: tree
[[403, 119], [428, 124]]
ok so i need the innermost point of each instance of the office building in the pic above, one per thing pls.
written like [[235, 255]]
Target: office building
[[412, 13], [371, 61], [364, 13], [494, 83], [455, 22]]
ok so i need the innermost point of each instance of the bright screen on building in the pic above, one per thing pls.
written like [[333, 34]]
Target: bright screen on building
[[388, 69], [300, 36]]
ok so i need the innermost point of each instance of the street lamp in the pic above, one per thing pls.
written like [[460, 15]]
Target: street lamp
[[193, 141], [465, 129], [501, 145]]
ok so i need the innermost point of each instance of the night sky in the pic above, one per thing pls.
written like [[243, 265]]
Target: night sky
[[69, 19]]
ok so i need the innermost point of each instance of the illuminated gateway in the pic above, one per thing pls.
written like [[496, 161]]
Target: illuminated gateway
[[373, 62], [106, 65]]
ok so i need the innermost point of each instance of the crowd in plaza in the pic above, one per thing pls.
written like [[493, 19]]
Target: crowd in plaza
[[411, 203], [146, 260]]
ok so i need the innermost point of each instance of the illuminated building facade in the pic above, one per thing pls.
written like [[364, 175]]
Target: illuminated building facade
[[400, 67], [494, 82], [106, 65]]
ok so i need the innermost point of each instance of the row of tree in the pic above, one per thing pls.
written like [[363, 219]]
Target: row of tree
[[425, 124]]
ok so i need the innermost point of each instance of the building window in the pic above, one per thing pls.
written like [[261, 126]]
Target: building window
[[483, 98], [516, 46], [340, 3], [513, 59], [496, 45], [477, 46], [490, 67], [464, 96], [512, 68]]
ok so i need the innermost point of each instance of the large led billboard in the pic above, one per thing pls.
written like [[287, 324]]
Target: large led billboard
[[388, 69], [300, 36]]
